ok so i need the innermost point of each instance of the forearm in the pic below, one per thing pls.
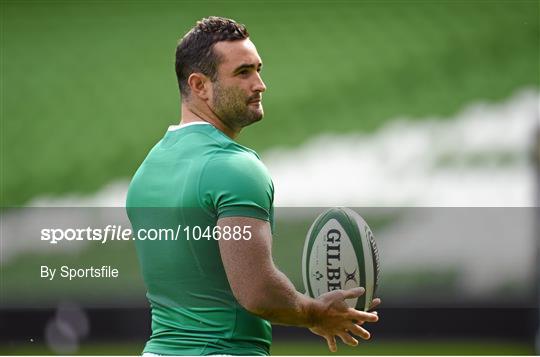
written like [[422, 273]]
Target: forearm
[[256, 282], [280, 302]]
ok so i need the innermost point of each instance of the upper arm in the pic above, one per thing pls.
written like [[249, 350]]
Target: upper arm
[[247, 262], [237, 185], [238, 190]]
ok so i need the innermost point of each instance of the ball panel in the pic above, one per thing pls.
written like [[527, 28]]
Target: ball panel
[[349, 224], [308, 246], [361, 226]]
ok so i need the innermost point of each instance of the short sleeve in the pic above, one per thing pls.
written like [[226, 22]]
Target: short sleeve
[[237, 185]]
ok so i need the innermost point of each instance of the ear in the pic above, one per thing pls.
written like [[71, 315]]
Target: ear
[[199, 85]]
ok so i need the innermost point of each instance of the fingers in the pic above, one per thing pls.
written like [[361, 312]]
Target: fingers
[[348, 339], [344, 321], [353, 293], [359, 331], [374, 303], [331, 340], [362, 316]]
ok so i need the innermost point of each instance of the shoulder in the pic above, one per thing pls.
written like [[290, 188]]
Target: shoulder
[[237, 169], [235, 159]]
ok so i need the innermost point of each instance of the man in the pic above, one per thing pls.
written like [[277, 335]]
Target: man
[[213, 292]]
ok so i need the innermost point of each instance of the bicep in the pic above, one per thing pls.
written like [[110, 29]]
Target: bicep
[[247, 262]]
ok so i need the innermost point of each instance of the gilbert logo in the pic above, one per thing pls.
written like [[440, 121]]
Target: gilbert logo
[[333, 253]]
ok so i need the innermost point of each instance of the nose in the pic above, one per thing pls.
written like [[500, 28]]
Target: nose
[[259, 85]]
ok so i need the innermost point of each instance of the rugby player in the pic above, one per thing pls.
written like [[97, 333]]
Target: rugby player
[[211, 295]]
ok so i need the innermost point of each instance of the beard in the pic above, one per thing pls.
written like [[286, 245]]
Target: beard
[[232, 106]]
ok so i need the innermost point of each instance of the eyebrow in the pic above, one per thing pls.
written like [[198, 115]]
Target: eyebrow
[[247, 66]]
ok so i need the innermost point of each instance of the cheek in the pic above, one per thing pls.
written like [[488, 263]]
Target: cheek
[[237, 95], [230, 95], [239, 86]]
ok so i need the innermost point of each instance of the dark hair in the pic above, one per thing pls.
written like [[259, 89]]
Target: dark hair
[[195, 53]]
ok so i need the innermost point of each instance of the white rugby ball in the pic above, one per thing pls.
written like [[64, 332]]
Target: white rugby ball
[[340, 253]]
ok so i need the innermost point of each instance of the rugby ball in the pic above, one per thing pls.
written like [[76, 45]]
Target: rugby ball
[[340, 253]]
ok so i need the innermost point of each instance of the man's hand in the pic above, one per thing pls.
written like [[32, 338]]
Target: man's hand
[[333, 317]]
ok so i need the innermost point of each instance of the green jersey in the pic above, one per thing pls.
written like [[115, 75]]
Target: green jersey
[[192, 177]]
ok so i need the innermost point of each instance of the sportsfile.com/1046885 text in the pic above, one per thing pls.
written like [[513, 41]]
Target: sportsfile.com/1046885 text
[[118, 233]]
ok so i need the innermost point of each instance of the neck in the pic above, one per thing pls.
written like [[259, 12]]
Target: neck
[[191, 114]]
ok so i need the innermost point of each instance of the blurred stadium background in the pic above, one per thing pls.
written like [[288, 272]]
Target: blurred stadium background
[[374, 104]]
